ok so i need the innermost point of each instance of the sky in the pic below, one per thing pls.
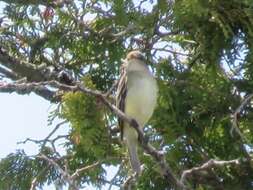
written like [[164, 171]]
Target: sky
[[22, 117]]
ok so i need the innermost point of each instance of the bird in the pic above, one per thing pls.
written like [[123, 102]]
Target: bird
[[136, 96]]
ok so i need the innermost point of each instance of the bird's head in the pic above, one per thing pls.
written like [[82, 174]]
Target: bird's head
[[135, 60], [134, 56]]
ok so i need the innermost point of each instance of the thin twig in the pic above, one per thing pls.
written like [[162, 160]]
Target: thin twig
[[56, 165], [130, 181], [52, 132], [115, 84], [35, 180], [235, 118], [172, 51], [117, 173], [207, 165], [83, 169]]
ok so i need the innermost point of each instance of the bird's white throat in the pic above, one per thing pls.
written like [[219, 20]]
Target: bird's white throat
[[137, 65]]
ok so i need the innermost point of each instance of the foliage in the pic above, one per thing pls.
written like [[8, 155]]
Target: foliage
[[18, 171], [201, 53]]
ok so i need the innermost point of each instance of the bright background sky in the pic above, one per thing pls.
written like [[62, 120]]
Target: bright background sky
[[22, 117]]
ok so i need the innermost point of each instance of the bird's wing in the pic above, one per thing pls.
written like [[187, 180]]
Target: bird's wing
[[121, 96]]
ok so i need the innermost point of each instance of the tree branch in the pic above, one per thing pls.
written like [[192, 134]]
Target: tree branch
[[33, 73], [65, 175], [129, 182], [52, 132], [71, 179], [27, 88], [164, 34], [22, 69], [35, 180], [54, 4], [207, 165], [235, 117], [115, 176], [8, 74], [83, 169]]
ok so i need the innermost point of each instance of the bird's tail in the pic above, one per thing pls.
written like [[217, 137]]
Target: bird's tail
[[134, 160], [132, 145]]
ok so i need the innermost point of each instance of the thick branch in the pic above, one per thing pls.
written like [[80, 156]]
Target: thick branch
[[8, 74], [22, 69], [24, 88], [32, 72]]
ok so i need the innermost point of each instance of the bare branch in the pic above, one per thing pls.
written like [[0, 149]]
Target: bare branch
[[70, 179], [33, 73], [30, 140], [52, 132], [208, 165], [43, 140], [172, 51], [34, 183], [9, 74], [53, 163], [83, 169], [27, 88], [22, 69], [117, 173], [109, 92], [130, 181], [128, 29], [64, 174], [35, 180], [235, 117]]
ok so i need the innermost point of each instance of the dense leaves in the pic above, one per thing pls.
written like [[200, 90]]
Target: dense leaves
[[18, 171], [201, 53]]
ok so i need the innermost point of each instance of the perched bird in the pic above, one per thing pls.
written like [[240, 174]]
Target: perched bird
[[136, 96]]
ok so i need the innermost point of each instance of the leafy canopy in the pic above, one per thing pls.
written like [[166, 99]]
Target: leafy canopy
[[201, 53]]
